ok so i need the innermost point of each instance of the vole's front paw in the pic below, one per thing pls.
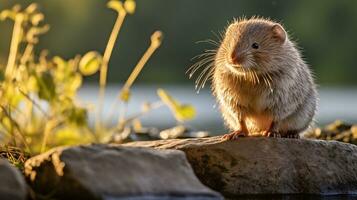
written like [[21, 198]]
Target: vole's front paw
[[273, 134], [292, 134], [234, 135]]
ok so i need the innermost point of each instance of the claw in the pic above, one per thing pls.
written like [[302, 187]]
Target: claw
[[293, 136], [273, 134], [235, 135], [276, 135]]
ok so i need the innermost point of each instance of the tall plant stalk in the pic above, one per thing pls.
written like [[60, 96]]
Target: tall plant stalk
[[15, 41], [51, 123], [156, 38], [104, 66]]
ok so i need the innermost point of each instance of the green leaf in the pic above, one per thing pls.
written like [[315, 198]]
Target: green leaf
[[90, 63], [47, 88], [77, 116], [31, 84], [185, 112], [69, 135], [61, 69], [182, 112], [166, 98], [10, 94], [6, 123], [75, 82]]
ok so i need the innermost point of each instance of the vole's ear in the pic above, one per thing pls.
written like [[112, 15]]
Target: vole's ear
[[279, 32]]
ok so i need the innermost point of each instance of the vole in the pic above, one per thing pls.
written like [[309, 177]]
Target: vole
[[261, 83]]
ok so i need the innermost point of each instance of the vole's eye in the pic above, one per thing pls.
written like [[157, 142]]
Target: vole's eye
[[255, 45]]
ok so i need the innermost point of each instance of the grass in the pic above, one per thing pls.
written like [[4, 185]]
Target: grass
[[16, 156], [39, 109]]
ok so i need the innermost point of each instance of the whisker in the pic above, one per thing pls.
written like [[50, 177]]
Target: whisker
[[211, 50], [198, 65], [208, 60], [204, 61], [202, 55], [203, 73], [199, 81], [218, 36], [209, 41], [208, 75]]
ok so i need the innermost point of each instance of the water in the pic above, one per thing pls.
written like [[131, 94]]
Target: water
[[294, 197], [335, 103]]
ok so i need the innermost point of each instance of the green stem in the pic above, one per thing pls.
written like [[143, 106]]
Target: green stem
[[15, 125], [48, 128], [15, 41], [104, 66]]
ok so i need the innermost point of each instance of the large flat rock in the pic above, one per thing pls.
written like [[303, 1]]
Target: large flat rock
[[258, 165], [115, 172], [12, 183]]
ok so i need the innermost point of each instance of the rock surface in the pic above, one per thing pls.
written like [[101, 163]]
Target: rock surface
[[269, 165], [115, 172], [12, 184]]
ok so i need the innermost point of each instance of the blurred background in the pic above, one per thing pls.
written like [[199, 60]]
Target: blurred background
[[324, 29]]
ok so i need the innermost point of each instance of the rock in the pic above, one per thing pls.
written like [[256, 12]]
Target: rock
[[115, 172], [12, 184], [258, 165]]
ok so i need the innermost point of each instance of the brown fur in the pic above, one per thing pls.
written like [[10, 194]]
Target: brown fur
[[270, 89]]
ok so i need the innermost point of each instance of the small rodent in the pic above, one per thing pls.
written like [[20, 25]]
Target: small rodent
[[262, 84]]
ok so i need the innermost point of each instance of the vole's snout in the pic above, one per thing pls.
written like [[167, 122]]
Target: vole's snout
[[236, 58]]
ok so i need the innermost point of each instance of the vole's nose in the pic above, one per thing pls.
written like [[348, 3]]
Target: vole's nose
[[237, 58]]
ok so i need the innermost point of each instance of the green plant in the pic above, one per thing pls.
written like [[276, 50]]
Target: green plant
[[39, 109], [122, 10], [37, 92]]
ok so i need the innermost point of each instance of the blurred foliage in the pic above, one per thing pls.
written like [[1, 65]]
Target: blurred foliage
[[181, 112], [338, 130], [39, 109], [325, 29], [32, 83]]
